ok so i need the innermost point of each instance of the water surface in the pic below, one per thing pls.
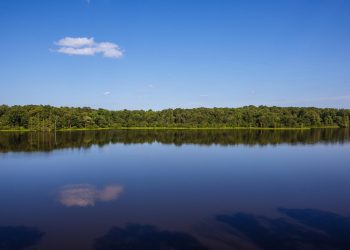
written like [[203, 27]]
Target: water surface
[[175, 189]]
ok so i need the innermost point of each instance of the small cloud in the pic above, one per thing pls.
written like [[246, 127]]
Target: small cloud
[[85, 46], [107, 93], [110, 193], [83, 195], [151, 86], [77, 51], [75, 42]]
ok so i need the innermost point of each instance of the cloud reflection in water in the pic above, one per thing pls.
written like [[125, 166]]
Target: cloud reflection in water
[[83, 195]]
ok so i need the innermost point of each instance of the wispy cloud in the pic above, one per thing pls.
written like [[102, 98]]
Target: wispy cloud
[[320, 99], [107, 93], [335, 98], [85, 46]]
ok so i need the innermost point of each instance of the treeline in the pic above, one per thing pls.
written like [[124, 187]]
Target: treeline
[[45, 142], [48, 118]]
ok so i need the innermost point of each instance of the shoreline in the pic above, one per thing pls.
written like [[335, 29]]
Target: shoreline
[[169, 128]]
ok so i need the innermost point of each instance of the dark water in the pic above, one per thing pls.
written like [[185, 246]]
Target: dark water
[[172, 189]]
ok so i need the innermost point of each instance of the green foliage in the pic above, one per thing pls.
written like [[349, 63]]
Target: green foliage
[[48, 118]]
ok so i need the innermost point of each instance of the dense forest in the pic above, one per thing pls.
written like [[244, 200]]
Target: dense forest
[[48, 118]]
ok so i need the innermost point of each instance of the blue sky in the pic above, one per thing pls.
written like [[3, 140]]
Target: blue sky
[[155, 54]]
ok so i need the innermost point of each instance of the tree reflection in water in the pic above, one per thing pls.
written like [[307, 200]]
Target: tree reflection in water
[[36, 141]]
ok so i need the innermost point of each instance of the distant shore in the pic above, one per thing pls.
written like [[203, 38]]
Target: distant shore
[[49, 118], [168, 128]]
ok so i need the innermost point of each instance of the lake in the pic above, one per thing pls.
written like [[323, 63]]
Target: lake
[[175, 189]]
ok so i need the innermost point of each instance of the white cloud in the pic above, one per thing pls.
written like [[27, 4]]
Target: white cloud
[[75, 42], [77, 51], [85, 46], [107, 93], [151, 86], [109, 49], [83, 195]]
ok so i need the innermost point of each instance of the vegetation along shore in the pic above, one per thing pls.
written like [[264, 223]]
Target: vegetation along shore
[[49, 118]]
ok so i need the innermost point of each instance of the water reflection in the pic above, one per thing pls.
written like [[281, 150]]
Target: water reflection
[[18, 238], [336, 226], [83, 195], [166, 184], [146, 237], [31, 141], [304, 229], [307, 229]]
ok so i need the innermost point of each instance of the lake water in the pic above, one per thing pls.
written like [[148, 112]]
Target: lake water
[[175, 189]]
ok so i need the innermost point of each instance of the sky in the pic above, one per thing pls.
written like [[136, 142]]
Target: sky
[[157, 54]]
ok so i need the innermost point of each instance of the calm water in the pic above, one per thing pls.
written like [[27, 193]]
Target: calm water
[[175, 190]]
